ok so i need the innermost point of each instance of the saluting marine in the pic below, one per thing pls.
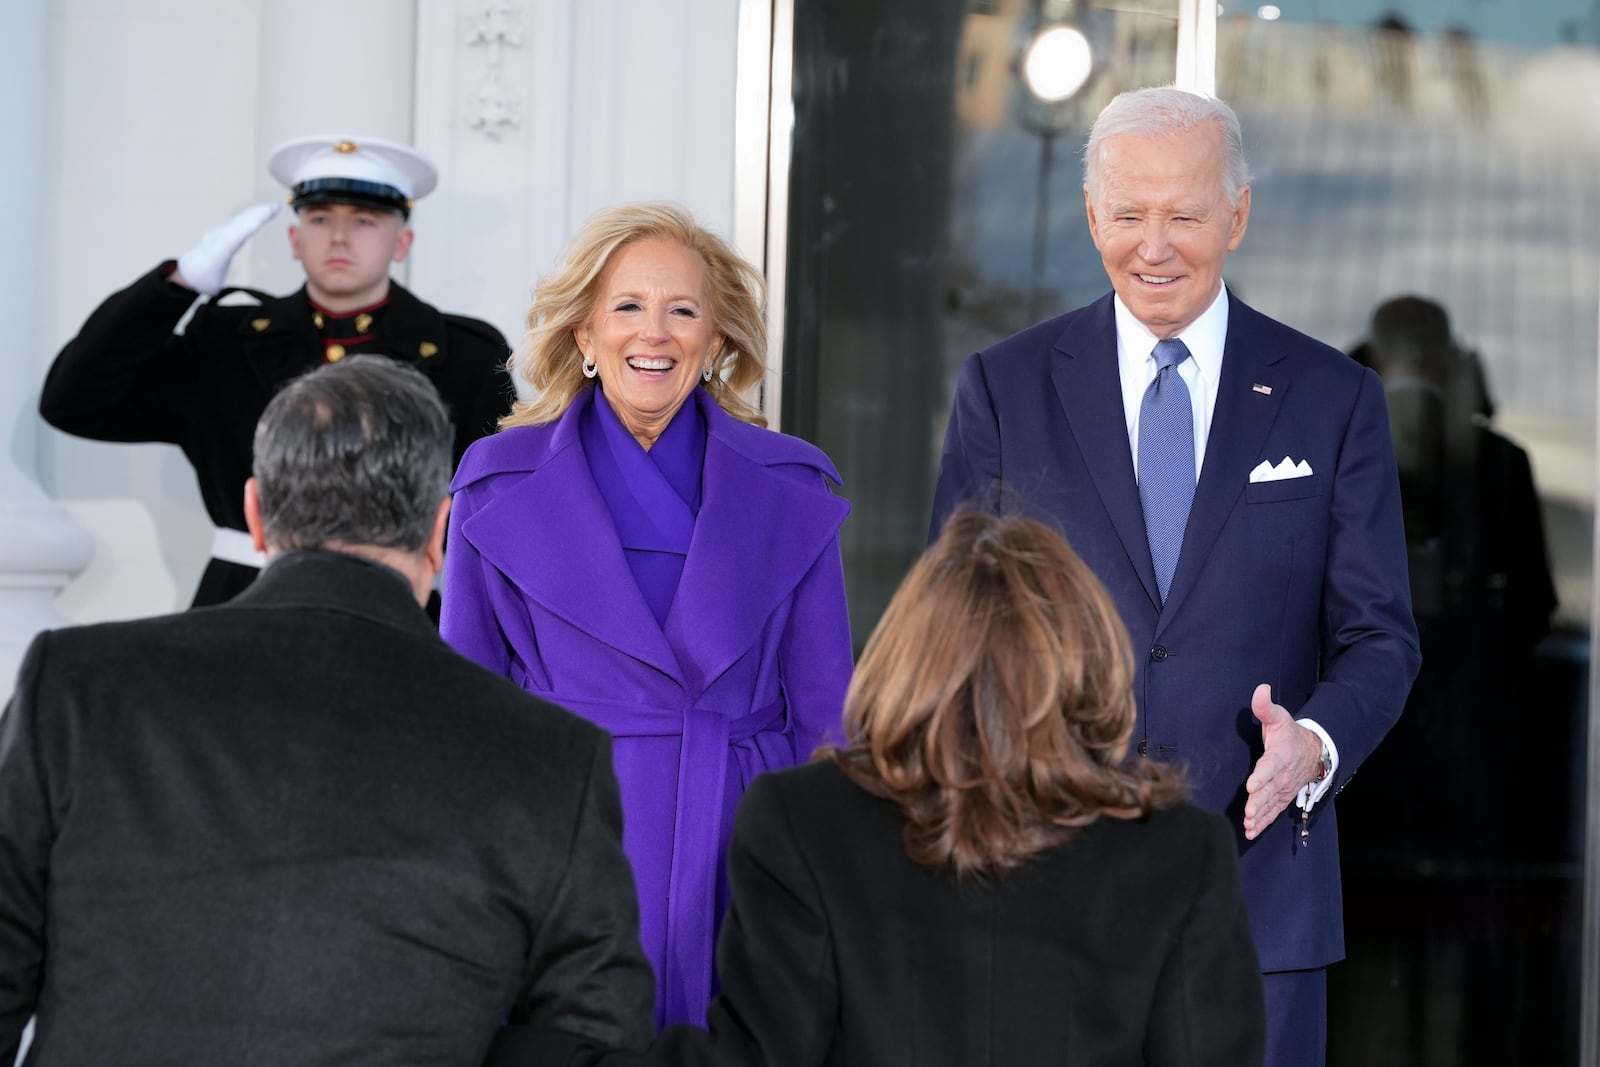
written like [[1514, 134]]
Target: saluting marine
[[128, 376]]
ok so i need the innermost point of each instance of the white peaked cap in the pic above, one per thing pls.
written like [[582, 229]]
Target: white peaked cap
[[360, 170]]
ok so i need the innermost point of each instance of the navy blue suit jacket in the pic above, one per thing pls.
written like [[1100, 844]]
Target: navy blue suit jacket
[[1299, 583]]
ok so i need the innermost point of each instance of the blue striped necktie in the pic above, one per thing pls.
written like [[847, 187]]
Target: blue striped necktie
[[1166, 460]]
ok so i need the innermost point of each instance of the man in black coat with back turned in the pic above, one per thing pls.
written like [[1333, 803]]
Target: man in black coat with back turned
[[128, 377], [297, 828]]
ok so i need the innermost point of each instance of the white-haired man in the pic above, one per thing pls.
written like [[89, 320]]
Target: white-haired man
[[1232, 482]]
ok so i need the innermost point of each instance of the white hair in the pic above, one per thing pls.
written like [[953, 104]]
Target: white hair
[[1160, 111]]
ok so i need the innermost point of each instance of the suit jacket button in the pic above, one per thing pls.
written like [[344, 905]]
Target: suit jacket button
[[1159, 653], [1144, 748]]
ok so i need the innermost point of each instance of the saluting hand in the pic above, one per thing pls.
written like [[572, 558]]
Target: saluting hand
[[1291, 759], [205, 266]]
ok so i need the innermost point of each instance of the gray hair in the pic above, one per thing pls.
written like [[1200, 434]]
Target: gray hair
[[353, 453], [1161, 111]]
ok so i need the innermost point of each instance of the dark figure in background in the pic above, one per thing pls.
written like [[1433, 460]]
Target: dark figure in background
[[978, 875], [1394, 43], [128, 377], [297, 828], [1465, 71], [1436, 810]]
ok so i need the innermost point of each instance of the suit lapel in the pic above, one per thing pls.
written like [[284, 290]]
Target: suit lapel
[[757, 534], [552, 535], [1239, 426], [1090, 391]]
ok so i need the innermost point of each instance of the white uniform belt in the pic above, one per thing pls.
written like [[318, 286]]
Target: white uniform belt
[[235, 546]]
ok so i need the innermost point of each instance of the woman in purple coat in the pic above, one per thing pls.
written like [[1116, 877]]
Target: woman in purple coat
[[635, 546]]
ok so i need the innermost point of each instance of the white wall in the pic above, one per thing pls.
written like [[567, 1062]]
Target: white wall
[[150, 108], [160, 114], [553, 109]]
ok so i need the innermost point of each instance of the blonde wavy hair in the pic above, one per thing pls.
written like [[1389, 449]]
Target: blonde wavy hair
[[994, 702], [548, 357]]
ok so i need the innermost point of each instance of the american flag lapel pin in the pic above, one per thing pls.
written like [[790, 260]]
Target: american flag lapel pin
[[1264, 390]]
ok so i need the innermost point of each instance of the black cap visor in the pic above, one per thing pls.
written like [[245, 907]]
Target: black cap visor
[[349, 191]]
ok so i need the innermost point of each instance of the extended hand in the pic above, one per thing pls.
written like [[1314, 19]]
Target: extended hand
[[1290, 759], [205, 266]]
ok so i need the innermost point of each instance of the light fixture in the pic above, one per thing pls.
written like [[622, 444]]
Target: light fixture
[[1057, 63]]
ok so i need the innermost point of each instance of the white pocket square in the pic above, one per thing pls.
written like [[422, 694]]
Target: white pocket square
[[1286, 469]]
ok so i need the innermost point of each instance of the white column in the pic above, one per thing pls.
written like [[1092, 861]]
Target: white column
[[328, 68], [40, 548]]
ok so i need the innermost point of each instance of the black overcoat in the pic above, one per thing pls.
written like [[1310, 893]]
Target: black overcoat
[[1126, 946], [298, 829]]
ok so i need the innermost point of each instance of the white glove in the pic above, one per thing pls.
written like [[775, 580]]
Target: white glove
[[205, 266]]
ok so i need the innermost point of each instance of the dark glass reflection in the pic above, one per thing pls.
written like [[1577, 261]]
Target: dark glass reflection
[[934, 207], [1452, 893], [1441, 150], [1412, 156]]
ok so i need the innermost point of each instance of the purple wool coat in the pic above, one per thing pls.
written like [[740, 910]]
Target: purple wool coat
[[748, 674]]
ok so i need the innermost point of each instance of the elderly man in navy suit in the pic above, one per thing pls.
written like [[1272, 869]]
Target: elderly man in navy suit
[[1232, 482]]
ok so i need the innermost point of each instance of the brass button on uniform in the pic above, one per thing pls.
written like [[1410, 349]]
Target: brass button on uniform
[[335, 353], [260, 324], [428, 348]]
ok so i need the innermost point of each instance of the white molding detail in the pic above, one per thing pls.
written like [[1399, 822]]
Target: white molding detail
[[493, 27], [752, 124], [780, 136], [1196, 67], [41, 547]]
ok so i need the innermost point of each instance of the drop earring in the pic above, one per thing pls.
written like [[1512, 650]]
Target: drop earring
[[706, 374], [590, 367]]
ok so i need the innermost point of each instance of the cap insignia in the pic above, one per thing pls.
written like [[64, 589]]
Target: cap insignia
[[346, 147]]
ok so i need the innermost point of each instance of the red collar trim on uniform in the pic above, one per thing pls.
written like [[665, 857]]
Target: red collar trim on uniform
[[347, 314]]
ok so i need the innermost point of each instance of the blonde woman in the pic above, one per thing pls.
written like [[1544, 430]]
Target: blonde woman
[[635, 546]]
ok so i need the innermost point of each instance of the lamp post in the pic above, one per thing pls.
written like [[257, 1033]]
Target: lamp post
[[1055, 65]]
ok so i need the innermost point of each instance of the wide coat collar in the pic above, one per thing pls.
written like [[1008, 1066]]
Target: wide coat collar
[[759, 531], [1255, 378], [338, 582]]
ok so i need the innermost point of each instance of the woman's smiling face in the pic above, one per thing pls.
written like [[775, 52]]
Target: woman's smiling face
[[651, 333]]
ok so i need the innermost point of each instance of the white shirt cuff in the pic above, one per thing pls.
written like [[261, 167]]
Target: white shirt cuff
[[1315, 791]]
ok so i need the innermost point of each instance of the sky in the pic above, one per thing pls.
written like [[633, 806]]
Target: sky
[[1519, 22]]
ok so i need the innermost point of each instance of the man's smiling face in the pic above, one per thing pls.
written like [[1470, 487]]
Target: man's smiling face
[[1161, 219]]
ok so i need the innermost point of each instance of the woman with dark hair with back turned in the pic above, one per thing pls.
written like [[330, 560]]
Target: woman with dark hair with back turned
[[979, 875]]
